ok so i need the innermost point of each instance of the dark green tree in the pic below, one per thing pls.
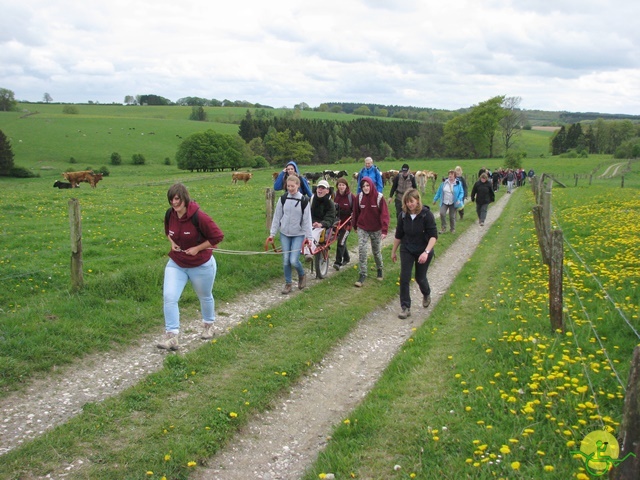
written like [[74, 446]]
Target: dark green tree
[[7, 100], [6, 155], [198, 114], [558, 141]]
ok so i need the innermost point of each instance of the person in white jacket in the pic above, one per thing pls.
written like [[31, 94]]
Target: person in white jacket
[[293, 219]]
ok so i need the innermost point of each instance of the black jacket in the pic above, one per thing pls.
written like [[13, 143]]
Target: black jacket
[[482, 193], [415, 233]]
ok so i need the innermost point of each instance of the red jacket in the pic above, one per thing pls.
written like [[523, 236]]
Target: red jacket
[[185, 234], [370, 213]]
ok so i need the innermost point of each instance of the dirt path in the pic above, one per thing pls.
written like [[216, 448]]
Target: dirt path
[[613, 170], [278, 444]]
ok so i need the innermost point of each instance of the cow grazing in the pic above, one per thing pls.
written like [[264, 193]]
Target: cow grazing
[[422, 176], [241, 176], [274, 175], [60, 184]]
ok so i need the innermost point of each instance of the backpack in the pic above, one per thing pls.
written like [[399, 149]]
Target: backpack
[[304, 201], [194, 220]]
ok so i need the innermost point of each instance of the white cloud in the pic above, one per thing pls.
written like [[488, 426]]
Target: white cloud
[[567, 55]]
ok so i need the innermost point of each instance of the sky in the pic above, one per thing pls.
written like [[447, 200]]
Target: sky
[[567, 55]]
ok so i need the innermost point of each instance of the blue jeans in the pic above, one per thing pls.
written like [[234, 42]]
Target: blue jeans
[[291, 255], [175, 279]]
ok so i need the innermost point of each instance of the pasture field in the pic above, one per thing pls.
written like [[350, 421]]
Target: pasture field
[[523, 409]]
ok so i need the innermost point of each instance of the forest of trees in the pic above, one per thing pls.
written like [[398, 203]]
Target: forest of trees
[[482, 131], [615, 137]]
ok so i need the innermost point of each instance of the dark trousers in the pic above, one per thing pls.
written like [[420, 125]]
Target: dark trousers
[[407, 262], [342, 254]]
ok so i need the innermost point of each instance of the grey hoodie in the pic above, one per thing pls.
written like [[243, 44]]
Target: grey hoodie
[[289, 218]]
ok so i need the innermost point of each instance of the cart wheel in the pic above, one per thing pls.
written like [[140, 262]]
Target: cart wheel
[[322, 263]]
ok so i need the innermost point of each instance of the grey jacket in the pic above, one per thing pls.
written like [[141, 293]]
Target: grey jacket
[[290, 220]]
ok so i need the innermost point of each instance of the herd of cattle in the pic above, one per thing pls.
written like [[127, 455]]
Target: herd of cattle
[[75, 178]]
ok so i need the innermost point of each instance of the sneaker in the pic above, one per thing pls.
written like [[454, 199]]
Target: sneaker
[[360, 280], [444, 230], [207, 331], [379, 277], [302, 282], [336, 266], [404, 313], [169, 342], [426, 301], [308, 257], [287, 289]]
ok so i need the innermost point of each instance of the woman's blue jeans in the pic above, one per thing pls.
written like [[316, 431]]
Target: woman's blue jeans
[[291, 255], [176, 278]]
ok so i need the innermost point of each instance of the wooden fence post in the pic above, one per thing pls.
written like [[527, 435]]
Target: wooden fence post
[[75, 223], [269, 201], [556, 256], [629, 434]]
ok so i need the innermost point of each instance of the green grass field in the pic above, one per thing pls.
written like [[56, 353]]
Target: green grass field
[[531, 396]]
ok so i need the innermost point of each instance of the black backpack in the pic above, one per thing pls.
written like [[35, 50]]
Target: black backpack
[[304, 201]]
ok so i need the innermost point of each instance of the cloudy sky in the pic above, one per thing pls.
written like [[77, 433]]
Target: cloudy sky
[[575, 55]]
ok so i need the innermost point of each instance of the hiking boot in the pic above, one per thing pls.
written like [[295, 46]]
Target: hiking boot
[[345, 261], [287, 289], [461, 213], [169, 342], [360, 280], [302, 282], [426, 301], [453, 230], [207, 331], [336, 266], [482, 224], [379, 276], [444, 230], [404, 313]]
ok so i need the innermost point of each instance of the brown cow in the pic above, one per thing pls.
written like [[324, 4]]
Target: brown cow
[[243, 176], [77, 177], [275, 175], [95, 178]]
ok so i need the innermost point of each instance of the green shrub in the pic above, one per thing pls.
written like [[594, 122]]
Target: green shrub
[[260, 162], [116, 158], [167, 161], [70, 110], [104, 171], [72, 160], [138, 159], [21, 172]]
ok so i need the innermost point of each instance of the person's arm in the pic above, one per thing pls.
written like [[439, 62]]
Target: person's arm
[[394, 186]]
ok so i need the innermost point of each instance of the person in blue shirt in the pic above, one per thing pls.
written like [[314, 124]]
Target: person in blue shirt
[[371, 171], [451, 197], [281, 181]]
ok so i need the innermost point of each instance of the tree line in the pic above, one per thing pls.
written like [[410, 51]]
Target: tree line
[[620, 138]]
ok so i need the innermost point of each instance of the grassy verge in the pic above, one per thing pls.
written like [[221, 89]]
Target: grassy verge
[[484, 389]]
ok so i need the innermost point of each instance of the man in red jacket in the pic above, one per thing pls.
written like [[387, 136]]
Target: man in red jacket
[[371, 221]]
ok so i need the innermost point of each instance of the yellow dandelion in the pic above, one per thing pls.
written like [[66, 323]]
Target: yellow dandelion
[[191, 464], [149, 472], [167, 457], [549, 468], [233, 414], [515, 465], [505, 449]]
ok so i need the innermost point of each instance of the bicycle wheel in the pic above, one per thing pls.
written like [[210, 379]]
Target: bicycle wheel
[[322, 263]]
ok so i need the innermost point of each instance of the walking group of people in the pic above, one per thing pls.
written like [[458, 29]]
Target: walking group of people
[[304, 215]]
